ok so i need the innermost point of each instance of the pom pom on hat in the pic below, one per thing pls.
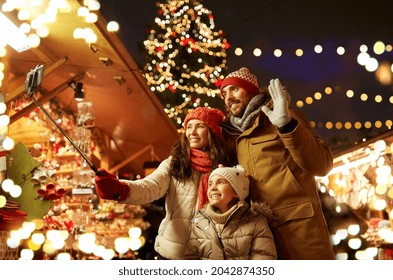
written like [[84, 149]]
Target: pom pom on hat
[[210, 116], [237, 177], [241, 78]]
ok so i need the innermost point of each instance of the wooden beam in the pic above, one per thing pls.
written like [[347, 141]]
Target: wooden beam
[[129, 159], [46, 97]]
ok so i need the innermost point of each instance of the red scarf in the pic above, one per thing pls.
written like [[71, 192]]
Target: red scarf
[[201, 162]]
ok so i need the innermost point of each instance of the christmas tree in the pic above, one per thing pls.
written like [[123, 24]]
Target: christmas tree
[[185, 58]]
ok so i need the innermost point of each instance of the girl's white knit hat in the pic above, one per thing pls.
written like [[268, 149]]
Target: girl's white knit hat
[[237, 177]]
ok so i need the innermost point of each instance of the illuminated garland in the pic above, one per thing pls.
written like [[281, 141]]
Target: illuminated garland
[[185, 57], [383, 72]]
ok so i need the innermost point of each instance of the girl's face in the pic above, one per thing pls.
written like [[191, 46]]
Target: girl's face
[[197, 133], [220, 193]]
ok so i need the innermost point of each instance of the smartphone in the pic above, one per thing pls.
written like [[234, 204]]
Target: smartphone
[[34, 79]]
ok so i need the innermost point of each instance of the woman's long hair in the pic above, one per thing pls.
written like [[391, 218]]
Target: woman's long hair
[[181, 164]]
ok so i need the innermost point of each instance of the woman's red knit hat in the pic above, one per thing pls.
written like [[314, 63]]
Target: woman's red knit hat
[[241, 78], [211, 116]]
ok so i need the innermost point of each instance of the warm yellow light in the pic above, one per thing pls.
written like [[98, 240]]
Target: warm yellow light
[[23, 15], [277, 53], [33, 246], [4, 119], [8, 6], [363, 48], [108, 254], [354, 243], [342, 233], [135, 244], [121, 245], [8, 144], [340, 50], [25, 27], [91, 38], [16, 191], [113, 26], [339, 125], [27, 254], [257, 52], [34, 40], [354, 229], [299, 52], [342, 256], [380, 204], [299, 104], [379, 48], [3, 201], [10, 33], [381, 189], [99, 250], [7, 185], [317, 96], [329, 125], [86, 242], [13, 242], [48, 248], [378, 124], [363, 58], [43, 31], [134, 232], [78, 33], [372, 65], [94, 5], [38, 238], [318, 49], [63, 256], [83, 11], [91, 18], [367, 124]]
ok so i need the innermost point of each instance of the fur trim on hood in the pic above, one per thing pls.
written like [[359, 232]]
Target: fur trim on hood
[[261, 208]]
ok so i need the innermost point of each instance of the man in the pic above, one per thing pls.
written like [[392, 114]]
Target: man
[[282, 154]]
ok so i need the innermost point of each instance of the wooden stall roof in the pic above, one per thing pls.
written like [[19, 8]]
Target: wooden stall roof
[[129, 118]]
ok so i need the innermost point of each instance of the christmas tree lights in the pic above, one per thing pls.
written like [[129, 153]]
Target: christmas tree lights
[[185, 58]]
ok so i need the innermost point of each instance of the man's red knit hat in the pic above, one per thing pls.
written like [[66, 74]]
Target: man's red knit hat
[[211, 116], [241, 78]]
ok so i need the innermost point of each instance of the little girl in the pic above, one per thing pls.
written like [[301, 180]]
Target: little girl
[[228, 228]]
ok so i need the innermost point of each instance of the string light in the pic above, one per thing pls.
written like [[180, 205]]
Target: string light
[[170, 69], [383, 72]]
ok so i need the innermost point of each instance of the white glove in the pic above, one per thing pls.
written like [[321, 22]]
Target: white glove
[[280, 114]]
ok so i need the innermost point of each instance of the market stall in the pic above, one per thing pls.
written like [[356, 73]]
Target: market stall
[[359, 188], [93, 89]]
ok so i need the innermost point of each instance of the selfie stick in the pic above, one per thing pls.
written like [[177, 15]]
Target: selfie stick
[[33, 80]]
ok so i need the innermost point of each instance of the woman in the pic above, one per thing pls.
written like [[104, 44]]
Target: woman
[[182, 177]]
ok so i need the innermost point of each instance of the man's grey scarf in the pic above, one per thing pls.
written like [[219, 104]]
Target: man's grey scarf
[[253, 108]]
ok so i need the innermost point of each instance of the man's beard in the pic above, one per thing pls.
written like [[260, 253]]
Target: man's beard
[[239, 113]]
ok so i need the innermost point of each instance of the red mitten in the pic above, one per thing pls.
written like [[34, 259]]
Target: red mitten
[[109, 187]]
